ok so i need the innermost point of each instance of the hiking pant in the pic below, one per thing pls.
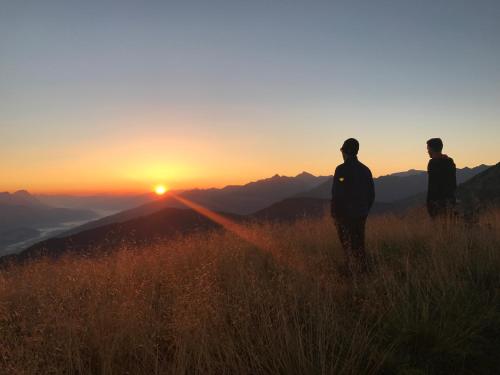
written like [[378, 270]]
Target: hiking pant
[[441, 208], [351, 233]]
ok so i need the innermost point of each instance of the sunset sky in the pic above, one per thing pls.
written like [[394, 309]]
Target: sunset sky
[[117, 96]]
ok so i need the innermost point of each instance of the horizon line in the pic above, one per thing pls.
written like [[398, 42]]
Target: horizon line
[[126, 192]]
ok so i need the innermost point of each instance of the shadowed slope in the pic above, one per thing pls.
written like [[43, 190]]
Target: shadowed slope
[[483, 189], [168, 223]]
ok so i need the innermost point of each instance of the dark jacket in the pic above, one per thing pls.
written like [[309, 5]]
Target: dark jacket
[[442, 183], [353, 191]]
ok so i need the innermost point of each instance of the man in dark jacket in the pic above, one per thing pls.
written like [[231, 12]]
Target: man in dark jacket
[[353, 194], [442, 180]]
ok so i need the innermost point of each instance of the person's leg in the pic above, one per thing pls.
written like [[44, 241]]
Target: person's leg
[[343, 230], [358, 243]]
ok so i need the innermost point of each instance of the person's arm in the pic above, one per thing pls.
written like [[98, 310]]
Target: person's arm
[[451, 183], [431, 185], [454, 178], [332, 204], [338, 192], [371, 190], [430, 182]]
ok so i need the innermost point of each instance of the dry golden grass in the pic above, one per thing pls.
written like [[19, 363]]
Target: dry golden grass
[[216, 304]]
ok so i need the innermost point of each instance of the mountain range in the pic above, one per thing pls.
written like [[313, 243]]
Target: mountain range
[[154, 220], [19, 198], [100, 203], [22, 216], [165, 224], [397, 186], [27, 214], [234, 199], [263, 194]]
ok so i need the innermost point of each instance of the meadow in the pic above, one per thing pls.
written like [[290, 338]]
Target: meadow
[[214, 303]]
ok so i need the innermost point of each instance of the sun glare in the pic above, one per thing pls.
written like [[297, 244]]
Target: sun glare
[[160, 189]]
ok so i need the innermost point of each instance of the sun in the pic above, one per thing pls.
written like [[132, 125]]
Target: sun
[[160, 189]]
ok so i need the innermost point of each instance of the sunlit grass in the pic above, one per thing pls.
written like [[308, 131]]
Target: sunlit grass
[[214, 303]]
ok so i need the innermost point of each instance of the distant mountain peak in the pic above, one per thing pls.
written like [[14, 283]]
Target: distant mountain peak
[[480, 166], [409, 172], [20, 197], [23, 193], [304, 174]]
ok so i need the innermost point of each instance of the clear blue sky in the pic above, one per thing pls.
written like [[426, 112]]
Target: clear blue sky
[[98, 95]]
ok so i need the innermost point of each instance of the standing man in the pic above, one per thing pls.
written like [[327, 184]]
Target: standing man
[[353, 194], [442, 180]]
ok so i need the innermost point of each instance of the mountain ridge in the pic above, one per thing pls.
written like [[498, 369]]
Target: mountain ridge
[[170, 222], [396, 186]]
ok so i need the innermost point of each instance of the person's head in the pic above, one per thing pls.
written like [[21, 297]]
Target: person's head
[[434, 147], [350, 148]]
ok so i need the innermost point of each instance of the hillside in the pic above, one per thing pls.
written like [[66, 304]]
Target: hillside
[[146, 223], [254, 196], [482, 190], [233, 199], [292, 209], [213, 303], [259, 195], [168, 223]]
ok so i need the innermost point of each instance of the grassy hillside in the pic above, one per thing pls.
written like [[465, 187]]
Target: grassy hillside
[[482, 190], [275, 303]]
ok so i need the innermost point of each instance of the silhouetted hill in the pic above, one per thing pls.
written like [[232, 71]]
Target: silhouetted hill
[[143, 210], [481, 190], [254, 196], [165, 224], [292, 209], [235, 199], [238, 199], [409, 172], [296, 208], [396, 187]]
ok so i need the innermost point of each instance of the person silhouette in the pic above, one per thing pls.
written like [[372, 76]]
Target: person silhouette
[[353, 194], [442, 180]]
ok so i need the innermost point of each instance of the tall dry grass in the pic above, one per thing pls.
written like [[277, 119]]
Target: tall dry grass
[[216, 304]]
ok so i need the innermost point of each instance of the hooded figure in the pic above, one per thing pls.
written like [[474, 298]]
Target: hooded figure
[[353, 194], [442, 180]]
